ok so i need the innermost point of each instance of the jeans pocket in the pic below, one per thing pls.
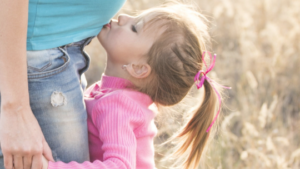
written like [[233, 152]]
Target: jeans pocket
[[46, 63]]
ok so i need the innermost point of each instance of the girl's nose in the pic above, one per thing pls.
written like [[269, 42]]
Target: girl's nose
[[124, 19]]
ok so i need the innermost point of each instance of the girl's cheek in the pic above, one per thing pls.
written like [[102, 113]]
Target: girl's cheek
[[117, 35]]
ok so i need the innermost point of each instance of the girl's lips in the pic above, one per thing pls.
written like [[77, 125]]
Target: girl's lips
[[108, 25]]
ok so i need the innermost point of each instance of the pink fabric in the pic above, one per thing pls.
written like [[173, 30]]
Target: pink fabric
[[121, 128]]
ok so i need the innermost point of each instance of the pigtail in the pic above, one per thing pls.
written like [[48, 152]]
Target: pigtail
[[193, 137], [177, 61]]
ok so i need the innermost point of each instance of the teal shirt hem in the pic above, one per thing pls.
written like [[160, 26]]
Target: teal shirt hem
[[43, 44]]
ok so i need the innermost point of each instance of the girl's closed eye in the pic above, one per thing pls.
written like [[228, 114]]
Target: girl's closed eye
[[133, 28]]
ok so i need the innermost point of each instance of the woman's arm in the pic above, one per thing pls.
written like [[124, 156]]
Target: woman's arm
[[22, 140]]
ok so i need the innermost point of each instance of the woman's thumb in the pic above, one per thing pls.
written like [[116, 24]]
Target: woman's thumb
[[47, 151]]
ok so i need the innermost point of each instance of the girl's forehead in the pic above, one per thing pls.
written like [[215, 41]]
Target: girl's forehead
[[149, 23], [147, 18], [152, 31]]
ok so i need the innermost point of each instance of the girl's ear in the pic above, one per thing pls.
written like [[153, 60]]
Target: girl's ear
[[139, 71]]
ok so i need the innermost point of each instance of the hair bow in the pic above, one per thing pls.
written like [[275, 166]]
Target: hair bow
[[199, 83]]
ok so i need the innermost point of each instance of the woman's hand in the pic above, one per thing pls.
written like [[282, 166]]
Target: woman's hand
[[22, 141]]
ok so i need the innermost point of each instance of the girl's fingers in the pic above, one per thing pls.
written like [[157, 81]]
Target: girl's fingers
[[37, 162], [18, 162], [27, 162], [8, 161]]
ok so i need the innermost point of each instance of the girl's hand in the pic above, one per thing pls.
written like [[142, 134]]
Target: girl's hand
[[45, 163]]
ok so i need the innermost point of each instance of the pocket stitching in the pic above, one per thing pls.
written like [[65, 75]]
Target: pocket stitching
[[41, 69], [51, 72]]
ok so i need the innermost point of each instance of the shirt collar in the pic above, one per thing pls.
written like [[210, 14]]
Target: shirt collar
[[110, 82]]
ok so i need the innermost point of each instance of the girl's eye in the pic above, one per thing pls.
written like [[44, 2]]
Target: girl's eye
[[133, 28]]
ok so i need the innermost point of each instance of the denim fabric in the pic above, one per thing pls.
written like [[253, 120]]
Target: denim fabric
[[56, 84]]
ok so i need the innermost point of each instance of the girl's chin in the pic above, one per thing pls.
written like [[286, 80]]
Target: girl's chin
[[99, 35], [102, 35], [100, 39]]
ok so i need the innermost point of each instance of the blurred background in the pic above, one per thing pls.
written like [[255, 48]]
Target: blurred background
[[258, 47]]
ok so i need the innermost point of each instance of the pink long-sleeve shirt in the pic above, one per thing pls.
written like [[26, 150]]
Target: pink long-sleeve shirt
[[120, 125]]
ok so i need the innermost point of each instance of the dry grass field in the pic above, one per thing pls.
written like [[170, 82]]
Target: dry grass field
[[258, 47]]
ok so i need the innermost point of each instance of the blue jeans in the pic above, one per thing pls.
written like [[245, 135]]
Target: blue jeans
[[56, 83]]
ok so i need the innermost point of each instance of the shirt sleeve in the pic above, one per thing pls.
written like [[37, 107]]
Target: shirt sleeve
[[116, 118]]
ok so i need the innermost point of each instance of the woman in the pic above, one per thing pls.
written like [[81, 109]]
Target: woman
[[41, 56]]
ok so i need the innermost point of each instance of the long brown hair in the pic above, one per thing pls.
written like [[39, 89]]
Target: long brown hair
[[175, 59]]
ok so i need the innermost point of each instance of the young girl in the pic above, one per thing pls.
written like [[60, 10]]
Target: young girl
[[156, 57]]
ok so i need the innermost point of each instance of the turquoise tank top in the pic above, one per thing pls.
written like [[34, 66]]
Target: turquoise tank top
[[53, 23]]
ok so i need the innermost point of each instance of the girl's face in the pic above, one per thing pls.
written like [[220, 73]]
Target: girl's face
[[125, 40]]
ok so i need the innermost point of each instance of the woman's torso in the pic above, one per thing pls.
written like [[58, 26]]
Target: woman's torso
[[53, 23]]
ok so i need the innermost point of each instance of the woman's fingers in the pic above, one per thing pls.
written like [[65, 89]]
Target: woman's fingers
[[37, 162], [8, 161], [47, 151], [18, 162], [27, 162]]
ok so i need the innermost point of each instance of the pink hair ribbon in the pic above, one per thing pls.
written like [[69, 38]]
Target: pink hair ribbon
[[199, 83]]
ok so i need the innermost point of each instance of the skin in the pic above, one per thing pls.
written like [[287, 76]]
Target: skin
[[22, 141]]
